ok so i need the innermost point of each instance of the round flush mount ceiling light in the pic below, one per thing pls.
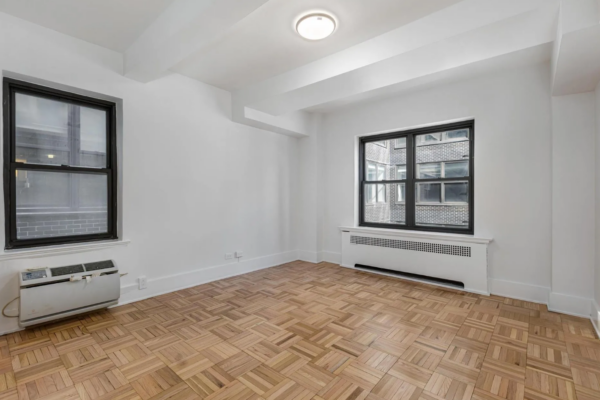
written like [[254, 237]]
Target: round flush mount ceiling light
[[316, 26]]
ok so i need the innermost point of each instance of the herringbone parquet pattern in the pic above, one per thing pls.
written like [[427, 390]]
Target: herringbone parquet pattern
[[304, 331]]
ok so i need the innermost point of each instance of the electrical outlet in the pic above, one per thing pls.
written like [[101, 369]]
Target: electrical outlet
[[228, 256], [239, 254], [142, 283]]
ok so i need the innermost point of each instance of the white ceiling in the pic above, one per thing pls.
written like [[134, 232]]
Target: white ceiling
[[381, 47], [114, 24], [265, 43]]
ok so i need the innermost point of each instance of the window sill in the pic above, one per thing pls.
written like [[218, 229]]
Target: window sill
[[451, 237], [60, 250]]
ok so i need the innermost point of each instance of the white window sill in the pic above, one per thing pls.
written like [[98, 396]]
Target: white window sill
[[451, 237], [59, 250]]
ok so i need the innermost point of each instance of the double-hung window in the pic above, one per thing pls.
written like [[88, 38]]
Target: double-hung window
[[420, 179], [60, 166]]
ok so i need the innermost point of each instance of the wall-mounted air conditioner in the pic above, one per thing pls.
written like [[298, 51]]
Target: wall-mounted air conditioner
[[48, 294]]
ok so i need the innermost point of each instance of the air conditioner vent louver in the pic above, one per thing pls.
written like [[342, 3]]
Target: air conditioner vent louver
[[99, 265], [452, 250], [68, 270]]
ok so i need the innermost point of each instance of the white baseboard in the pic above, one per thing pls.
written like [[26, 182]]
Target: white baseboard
[[519, 291], [595, 317], [317, 257], [309, 256], [329, 256], [171, 283], [567, 304]]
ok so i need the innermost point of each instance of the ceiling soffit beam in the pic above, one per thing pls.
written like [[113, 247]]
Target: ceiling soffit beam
[[511, 35], [531, 56], [297, 124], [575, 58], [462, 17], [183, 29]]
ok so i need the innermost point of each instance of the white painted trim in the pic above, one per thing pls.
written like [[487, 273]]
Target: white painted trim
[[519, 291], [595, 317], [309, 256], [567, 304], [11, 331], [323, 256], [60, 250], [171, 283], [417, 234], [332, 257]]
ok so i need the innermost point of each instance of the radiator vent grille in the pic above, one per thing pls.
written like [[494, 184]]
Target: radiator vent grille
[[451, 250]]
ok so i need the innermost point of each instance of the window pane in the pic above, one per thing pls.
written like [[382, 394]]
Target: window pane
[[444, 152], [429, 193], [60, 204], [456, 169], [401, 195], [400, 172], [400, 143], [448, 214], [456, 192], [380, 172], [371, 171], [461, 134], [93, 137], [371, 193], [428, 138], [381, 194], [55, 132], [429, 171], [387, 210], [379, 152]]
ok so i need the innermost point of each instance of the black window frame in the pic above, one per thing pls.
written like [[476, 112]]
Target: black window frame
[[411, 180], [10, 88]]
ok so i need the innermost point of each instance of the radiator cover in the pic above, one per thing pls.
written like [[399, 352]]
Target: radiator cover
[[458, 260]]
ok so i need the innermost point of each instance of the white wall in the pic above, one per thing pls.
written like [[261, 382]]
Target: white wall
[[512, 112], [309, 195], [573, 204], [596, 305], [196, 185]]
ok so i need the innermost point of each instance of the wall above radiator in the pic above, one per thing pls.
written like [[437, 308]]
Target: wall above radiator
[[460, 258]]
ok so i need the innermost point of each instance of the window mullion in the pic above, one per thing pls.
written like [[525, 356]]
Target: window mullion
[[59, 168], [409, 201], [443, 192]]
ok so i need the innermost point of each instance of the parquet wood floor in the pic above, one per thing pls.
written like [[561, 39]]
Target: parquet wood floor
[[304, 331]]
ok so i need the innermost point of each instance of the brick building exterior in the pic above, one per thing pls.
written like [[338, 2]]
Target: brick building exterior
[[391, 155]]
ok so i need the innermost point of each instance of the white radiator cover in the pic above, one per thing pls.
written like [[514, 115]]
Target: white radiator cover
[[44, 297], [453, 257]]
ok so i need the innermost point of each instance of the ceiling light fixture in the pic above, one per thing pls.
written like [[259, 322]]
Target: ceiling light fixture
[[316, 26]]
